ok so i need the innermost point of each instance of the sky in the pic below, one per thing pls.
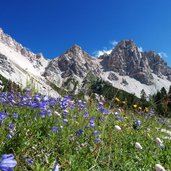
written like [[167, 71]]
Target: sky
[[53, 26]]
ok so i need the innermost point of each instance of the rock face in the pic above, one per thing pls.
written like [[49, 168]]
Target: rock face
[[23, 66], [5, 65], [74, 63], [37, 59], [126, 59], [158, 65]]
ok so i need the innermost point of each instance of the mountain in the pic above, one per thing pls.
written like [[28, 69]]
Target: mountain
[[69, 69], [125, 68], [20, 65]]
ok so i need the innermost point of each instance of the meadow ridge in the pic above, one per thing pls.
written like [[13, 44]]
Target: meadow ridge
[[40, 133]]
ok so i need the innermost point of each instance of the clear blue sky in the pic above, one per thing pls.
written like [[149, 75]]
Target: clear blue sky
[[52, 26]]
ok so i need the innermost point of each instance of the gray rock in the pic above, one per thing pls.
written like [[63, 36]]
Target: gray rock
[[5, 65], [126, 59], [112, 77]]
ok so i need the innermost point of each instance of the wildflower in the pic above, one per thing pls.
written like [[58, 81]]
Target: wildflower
[[140, 108], [158, 167], [117, 99], [161, 146], [96, 133], [65, 120], [85, 115], [166, 131], [138, 123], [54, 129], [3, 116], [117, 127], [27, 90], [29, 161], [146, 109], [79, 132], [158, 141], [45, 98], [11, 126], [135, 106], [61, 127], [138, 146], [56, 167], [56, 113], [65, 113], [116, 114], [8, 162], [100, 104], [104, 111], [92, 122], [119, 118], [9, 136], [15, 115], [97, 140]]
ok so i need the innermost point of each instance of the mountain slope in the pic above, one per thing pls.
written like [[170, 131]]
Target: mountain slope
[[22, 66], [125, 68]]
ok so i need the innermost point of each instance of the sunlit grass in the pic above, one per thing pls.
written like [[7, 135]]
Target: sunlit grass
[[46, 132]]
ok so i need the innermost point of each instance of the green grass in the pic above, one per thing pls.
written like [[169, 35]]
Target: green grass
[[116, 150]]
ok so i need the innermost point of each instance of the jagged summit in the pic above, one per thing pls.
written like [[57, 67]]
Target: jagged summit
[[75, 47], [126, 67]]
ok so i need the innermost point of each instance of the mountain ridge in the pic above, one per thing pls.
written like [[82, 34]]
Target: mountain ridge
[[125, 67]]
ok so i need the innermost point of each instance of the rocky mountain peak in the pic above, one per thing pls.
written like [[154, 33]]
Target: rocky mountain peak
[[75, 48], [124, 44], [126, 59], [158, 65], [76, 52]]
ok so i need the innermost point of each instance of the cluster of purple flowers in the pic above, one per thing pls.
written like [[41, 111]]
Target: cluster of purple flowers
[[7, 162]]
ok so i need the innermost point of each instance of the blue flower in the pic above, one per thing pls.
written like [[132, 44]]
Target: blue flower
[[27, 90], [11, 126], [96, 133], [97, 140], [9, 136], [65, 120], [3, 116], [15, 115], [79, 132], [56, 167], [8, 162], [54, 129], [92, 122], [138, 122], [29, 161], [119, 118], [85, 115]]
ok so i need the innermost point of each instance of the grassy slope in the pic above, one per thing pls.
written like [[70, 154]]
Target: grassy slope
[[74, 150]]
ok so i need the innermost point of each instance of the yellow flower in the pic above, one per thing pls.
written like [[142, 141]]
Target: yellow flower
[[140, 108], [146, 109], [123, 102], [135, 106], [117, 99]]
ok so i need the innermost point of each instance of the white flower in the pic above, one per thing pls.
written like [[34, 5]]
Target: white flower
[[117, 127], [138, 146], [166, 131], [158, 167], [56, 113], [158, 141]]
